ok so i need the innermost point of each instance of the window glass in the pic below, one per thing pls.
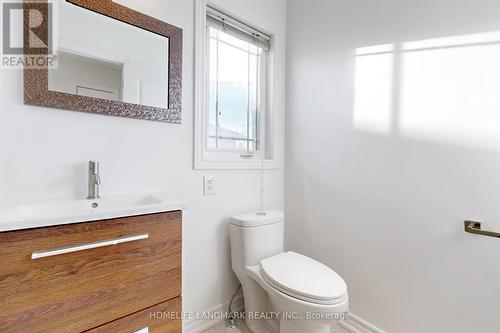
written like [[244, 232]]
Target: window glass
[[233, 93]]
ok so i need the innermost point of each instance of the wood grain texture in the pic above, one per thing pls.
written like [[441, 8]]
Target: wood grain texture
[[83, 290], [36, 87], [161, 318]]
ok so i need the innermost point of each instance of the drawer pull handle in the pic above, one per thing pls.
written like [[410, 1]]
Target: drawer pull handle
[[88, 246]]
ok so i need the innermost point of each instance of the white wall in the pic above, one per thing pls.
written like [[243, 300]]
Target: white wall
[[44, 155], [388, 153]]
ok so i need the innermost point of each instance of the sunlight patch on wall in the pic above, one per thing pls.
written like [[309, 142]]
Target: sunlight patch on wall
[[373, 88], [451, 90], [462, 40]]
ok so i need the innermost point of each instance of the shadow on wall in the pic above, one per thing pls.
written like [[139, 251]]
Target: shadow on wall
[[443, 90]]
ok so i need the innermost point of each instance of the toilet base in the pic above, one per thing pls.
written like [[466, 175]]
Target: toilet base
[[303, 326]]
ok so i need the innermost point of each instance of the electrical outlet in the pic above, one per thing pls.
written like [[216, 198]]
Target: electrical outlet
[[209, 185]]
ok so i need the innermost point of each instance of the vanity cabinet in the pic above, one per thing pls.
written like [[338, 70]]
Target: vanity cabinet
[[113, 275], [155, 318]]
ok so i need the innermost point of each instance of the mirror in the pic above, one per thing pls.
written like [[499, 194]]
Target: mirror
[[101, 57], [111, 60]]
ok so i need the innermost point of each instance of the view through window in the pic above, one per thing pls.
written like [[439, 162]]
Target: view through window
[[234, 93]]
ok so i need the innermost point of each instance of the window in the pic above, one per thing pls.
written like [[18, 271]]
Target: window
[[234, 93], [234, 121]]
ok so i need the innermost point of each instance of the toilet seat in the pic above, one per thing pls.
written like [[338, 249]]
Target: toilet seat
[[303, 278]]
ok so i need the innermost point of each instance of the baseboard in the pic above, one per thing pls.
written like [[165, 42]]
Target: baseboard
[[353, 325], [357, 325], [200, 325]]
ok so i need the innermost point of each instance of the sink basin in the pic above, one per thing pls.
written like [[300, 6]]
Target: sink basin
[[49, 213]]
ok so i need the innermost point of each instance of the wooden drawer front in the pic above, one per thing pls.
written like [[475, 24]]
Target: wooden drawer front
[[77, 291], [158, 319]]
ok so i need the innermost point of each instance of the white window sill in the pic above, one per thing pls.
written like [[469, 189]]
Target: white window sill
[[236, 164]]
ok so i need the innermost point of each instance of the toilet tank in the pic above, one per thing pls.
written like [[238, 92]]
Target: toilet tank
[[256, 236]]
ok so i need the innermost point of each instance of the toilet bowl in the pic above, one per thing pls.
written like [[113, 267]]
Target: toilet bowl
[[301, 294]]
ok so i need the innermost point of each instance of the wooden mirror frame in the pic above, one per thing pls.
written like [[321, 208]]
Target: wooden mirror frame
[[36, 80]]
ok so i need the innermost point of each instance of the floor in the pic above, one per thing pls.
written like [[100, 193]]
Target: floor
[[221, 328]]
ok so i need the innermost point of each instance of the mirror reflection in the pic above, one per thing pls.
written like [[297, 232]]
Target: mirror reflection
[[99, 57]]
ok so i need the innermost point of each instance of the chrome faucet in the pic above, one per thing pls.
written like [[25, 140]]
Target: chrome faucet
[[94, 180]]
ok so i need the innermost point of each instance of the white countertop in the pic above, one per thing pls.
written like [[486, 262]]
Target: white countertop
[[52, 213]]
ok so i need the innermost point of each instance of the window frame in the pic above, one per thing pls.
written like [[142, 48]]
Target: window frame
[[205, 158]]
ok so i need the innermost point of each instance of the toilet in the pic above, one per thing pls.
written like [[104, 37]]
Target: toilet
[[307, 295]]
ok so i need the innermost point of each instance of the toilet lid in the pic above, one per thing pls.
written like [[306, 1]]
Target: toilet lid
[[303, 278]]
